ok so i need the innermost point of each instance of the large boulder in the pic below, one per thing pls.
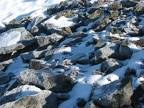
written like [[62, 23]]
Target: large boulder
[[18, 93], [44, 99], [115, 94], [44, 79]]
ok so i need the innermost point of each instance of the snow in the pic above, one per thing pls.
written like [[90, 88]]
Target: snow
[[8, 39], [61, 22], [24, 90], [17, 8], [85, 79]]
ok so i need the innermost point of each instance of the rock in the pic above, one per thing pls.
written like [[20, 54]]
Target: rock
[[34, 26], [67, 14], [81, 102], [50, 53], [65, 31], [90, 105], [115, 6], [45, 99], [110, 65], [137, 97], [139, 9], [106, 52], [125, 51], [5, 64], [65, 67], [101, 25], [132, 31], [84, 60], [33, 55], [77, 35], [115, 94], [140, 42], [128, 3], [96, 14], [114, 15], [130, 72], [52, 10], [47, 40], [74, 59], [37, 64], [13, 24], [4, 78], [18, 93], [44, 79], [62, 96], [100, 43]]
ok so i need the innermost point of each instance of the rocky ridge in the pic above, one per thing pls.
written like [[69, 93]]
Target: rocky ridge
[[93, 59]]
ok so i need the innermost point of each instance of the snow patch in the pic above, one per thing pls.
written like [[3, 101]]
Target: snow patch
[[8, 39]]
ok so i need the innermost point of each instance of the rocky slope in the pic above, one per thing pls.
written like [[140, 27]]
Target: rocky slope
[[80, 55]]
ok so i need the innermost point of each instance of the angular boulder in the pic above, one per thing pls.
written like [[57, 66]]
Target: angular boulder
[[115, 94], [44, 99], [44, 79]]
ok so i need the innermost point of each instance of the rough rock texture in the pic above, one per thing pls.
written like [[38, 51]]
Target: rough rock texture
[[115, 94], [44, 79], [45, 99]]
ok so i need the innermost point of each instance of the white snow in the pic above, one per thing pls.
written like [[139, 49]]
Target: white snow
[[24, 90], [60, 22], [8, 39], [17, 8]]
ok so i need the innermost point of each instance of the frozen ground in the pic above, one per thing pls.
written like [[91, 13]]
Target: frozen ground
[[17, 8]]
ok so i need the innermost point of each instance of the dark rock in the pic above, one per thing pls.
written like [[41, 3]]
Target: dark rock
[[77, 35], [4, 78], [115, 6], [65, 67], [128, 3], [52, 10], [13, 24], [36, 64], [45, 99], [139, 9], [125, 51], [84, 60], [137, 97], [110, 65], [130, 72], [81, 102], [96, 72], [115, 94], [140, 42], [44, 79], [62, 96]]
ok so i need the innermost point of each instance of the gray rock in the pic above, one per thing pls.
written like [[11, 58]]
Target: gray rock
[[139, 9], [51, 39], [18, 93], [100, 43], [5, 64], [34, 26], [74, 58], [37, 64], [115, 94], [125, 51], [44, 79], [67, 14], [65, 67], [90, 105], [106, 52], [4, 78], [115, 6], [110, 65], [33, 55], [45, 99], [96, 14]]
